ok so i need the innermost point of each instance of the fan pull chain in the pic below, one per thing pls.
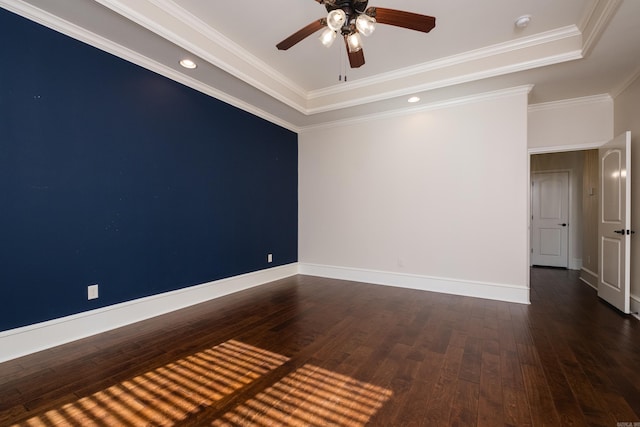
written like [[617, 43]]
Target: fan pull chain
[[344, 65], [344, 62], [342, 52], [340, 63]]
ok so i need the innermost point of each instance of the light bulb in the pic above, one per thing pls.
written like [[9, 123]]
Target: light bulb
[[354, 42], [327, 37], [336, 19], [365, 24]]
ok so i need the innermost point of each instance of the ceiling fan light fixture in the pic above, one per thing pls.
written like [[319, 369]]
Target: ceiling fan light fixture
[[336, 19], [344, 18], [354, 41], [365, 24], [327, 37]]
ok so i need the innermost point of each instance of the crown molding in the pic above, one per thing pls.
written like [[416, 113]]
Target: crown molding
[[213, 48], [517, 45], [567, 103], [182, 28], [437, 105], [62, 26], [217, 37], [626, 83], [170, 7], [381, 95], [169, 20], [595, 22]]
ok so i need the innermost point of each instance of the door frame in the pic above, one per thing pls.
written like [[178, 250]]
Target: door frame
[[571, 228], [547, 150]]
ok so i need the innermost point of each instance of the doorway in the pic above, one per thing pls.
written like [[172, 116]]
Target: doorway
[[581, 167]]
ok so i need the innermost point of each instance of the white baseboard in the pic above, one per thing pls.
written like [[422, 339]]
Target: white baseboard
[[493, 291], [575, 264], [41, 336], [30, 339], [635, 306], [589, 277]]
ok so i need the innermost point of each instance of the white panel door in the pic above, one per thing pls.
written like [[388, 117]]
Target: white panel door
[[550, 219], [615, 222]]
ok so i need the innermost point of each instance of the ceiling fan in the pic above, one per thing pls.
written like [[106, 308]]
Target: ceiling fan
[[350, 18]]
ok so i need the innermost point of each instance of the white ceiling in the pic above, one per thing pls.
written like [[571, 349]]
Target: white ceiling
[[572, 48]]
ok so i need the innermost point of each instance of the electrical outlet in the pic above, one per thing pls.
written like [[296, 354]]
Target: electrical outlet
[[269, 257], [92, 291]]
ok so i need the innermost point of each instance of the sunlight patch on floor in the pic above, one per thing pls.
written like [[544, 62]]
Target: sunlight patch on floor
[[310, 396], [179, 391], [169, 394]]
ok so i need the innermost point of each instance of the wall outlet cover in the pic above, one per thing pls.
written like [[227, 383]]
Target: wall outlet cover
[[92, 292]]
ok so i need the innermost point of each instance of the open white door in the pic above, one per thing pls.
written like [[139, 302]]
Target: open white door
[[615, 222]]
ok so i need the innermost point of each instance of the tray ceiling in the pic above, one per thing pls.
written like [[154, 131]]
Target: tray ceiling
[[572, 48]]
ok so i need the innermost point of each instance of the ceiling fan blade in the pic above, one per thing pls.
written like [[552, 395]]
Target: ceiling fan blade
[[400, 18], [302, 34], [356, 59]]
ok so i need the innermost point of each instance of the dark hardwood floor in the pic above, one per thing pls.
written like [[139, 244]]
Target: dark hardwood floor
[[318, 352]]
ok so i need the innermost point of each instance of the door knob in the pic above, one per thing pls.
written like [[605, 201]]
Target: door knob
[[564, 224], [619, 231]]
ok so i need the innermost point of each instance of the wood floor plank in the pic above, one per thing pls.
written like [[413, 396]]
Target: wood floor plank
[[543, 410], [515, 408], [471, 360], [413, 409], [510, 370], [490, 404], [464, 410], [564, 400], [440, 402]]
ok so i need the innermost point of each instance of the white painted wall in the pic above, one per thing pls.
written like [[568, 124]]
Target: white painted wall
[[434, 200], [627, 117], [585, 122]]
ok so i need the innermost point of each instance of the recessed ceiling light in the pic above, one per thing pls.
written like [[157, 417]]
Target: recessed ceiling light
[[523, 21], [187, 63], [413, 99]]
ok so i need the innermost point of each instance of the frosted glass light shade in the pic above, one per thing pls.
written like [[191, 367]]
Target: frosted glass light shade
[[327, 37], [366, 25], [354, 42], [336, 19]]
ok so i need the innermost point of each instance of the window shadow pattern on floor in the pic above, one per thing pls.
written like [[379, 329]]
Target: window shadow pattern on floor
[[181, 390]]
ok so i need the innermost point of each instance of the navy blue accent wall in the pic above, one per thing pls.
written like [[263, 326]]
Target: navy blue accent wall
[[112, 174]]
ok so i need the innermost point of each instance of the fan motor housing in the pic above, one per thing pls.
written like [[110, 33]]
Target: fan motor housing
[[350, 7]]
